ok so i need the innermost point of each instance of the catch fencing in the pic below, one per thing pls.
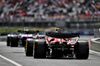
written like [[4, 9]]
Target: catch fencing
[[77, 23]]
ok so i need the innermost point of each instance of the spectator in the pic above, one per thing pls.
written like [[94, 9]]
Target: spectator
[[50, 8]]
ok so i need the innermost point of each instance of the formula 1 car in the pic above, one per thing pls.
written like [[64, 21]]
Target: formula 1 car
[[58, 45], [30, 42], [19, 38], [24, 35]]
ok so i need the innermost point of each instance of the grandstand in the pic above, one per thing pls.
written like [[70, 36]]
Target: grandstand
[[49, 8], [49, 11]]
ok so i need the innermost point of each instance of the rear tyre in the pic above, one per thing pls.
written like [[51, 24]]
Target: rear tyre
[[8, 41], [23, 42], [40, 48], [14, 41], [29, 48], [82, 50]]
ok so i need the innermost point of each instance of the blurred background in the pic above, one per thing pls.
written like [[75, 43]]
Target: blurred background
[[74, 15]]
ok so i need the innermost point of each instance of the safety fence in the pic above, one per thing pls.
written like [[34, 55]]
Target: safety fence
[[97, 33], [67, 19], [76, 23]]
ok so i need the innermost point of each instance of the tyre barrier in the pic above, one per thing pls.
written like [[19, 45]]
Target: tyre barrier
[[95, 45]]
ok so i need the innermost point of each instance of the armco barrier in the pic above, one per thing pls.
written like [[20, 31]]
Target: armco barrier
[[3, 38], [95, 45]]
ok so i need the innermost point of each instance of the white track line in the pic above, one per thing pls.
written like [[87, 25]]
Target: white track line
[[11, 61]]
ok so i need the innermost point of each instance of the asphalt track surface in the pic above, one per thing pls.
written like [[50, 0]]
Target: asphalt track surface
[[15, 56]]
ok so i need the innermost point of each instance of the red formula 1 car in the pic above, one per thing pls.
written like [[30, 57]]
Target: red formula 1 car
[[60, 44]]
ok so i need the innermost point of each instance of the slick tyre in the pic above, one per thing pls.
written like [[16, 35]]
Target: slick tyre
[[8, 41], [29, 48], [14, 41], [23, 42], [40, 48], [82, 50]]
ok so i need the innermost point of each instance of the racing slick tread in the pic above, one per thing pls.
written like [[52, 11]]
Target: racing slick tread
[[82, 50], [8, 41], [14, 41], [40, 49], [29, 48]]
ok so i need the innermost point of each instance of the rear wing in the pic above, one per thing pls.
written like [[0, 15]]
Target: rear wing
[[62, 35], [28, 32]]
